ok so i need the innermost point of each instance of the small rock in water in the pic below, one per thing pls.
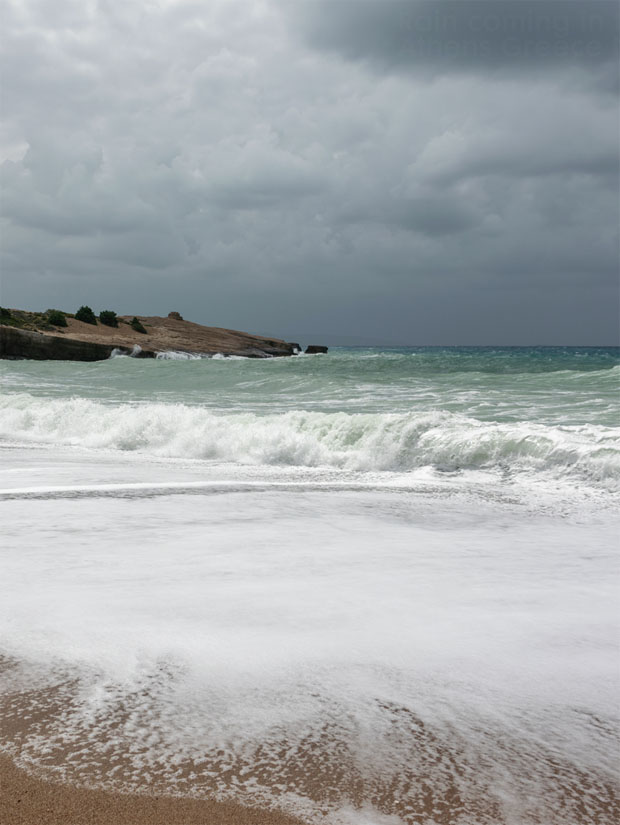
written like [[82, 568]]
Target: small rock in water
[[313, 349]]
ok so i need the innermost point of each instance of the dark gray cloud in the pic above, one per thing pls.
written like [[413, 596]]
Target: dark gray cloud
[[454, 35], [300, 168]]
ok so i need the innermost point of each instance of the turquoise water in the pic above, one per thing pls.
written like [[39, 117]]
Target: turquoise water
[[553, 410], [533, 383]]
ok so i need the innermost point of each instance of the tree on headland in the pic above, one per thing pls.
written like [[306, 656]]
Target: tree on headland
[[135, 324], [86, 315], [108, 317], [56, 318]]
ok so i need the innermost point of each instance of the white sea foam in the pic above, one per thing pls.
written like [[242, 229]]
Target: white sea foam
[[358, 442], [122, 353], [286, 641], [177, 355], [174, 355], [220, 356]]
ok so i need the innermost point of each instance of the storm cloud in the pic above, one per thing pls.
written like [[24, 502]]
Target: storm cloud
[[477, 35], [356, 171]]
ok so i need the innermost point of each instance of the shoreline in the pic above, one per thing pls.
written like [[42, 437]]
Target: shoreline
[[30, 800], [36, 795]]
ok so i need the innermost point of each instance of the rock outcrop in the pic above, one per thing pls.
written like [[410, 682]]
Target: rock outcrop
[[86, 342], [313, 349], [38, 346]]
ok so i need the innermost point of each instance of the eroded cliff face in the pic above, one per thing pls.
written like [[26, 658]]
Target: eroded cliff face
[[88, 342], [22, 343]]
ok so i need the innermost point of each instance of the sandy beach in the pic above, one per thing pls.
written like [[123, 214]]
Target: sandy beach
[[32, 799], [55, 789], [26, 800]]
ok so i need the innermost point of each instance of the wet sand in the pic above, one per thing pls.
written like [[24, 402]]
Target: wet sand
[[69, 773], [27, 800], [46, 795]]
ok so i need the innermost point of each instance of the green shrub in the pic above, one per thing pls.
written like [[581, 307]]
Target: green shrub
[[108, 317], [56, 318], [5, 313], [135, 324], [86, 315]]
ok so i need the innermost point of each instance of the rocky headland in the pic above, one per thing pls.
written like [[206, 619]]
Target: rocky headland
[[31, 335]]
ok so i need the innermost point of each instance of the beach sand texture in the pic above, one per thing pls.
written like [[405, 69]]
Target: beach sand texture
[[88, 782], [27, 800]]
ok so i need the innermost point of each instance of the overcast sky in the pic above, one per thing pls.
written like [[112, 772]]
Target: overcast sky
[[370, 170]]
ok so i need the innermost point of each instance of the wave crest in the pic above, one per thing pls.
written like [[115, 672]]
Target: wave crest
[[359, 441]]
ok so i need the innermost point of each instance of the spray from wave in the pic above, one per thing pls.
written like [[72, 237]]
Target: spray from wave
[[122, 353], [356, 442]]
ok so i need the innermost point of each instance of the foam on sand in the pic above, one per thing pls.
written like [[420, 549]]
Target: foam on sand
[[400, 653]]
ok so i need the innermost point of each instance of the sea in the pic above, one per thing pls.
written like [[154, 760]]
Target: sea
[[372, 587]]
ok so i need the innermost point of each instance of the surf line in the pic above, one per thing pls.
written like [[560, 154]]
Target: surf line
[[58, 491]]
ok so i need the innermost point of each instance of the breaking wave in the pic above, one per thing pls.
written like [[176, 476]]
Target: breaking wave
[[357, 442], [176, 355], [173, 355], [122, 353]]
